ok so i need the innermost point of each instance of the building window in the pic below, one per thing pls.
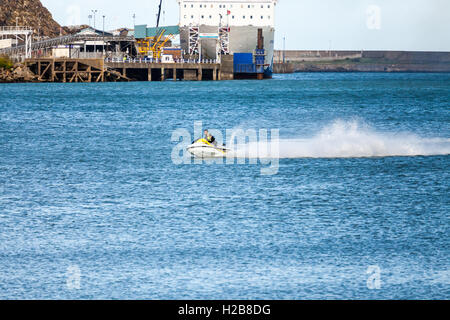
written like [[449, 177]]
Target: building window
[[200, 6], [232, 17], [203, 17], [192, 17], [243, 17], [251, 17], [210, 17], [249, 6], [262, 17], [268, 6]]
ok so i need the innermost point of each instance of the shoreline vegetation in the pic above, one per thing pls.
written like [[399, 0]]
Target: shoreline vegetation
[[5, 63]]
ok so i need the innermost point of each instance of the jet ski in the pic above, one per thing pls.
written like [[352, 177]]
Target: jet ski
[[201, 148]]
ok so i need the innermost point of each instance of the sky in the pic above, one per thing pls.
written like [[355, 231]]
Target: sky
[[422, 25]]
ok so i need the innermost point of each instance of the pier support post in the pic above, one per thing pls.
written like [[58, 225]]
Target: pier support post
[[200, 74], [174, 74], [214, 74], [76, 71], [89, 74], [149, 74], [53, 71], [163, 76], [65, 71]]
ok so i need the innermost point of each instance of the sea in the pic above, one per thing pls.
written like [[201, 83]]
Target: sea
[[99, 199]]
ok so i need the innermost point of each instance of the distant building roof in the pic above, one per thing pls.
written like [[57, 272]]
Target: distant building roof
[[141, 31], [91, 30], [123, 32]]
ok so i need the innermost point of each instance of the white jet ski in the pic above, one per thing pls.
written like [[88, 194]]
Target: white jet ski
[[201, 148]]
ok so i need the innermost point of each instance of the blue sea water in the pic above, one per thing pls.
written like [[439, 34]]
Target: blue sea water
[[93, 207]]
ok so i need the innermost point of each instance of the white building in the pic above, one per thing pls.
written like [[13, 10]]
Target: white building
[[7, 43], [258, 13], [212, 28]]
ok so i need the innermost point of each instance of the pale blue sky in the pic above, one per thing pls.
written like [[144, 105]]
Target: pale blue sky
[[306, 24]]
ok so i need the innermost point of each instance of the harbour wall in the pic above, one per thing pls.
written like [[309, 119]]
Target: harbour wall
[[360, 61]]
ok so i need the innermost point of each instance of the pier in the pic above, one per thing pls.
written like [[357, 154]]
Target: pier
[[108, 70]]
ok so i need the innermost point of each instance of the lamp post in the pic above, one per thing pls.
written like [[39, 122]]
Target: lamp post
[[104, 34], [284, 49], [104, 26], [90, 18], [95, 42], [134, 20], [94, 12]]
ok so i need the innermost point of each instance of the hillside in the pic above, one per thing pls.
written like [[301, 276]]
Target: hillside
[[30, 13]]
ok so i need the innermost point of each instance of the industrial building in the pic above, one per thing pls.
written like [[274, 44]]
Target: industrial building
[[215, 39], [230, 27]]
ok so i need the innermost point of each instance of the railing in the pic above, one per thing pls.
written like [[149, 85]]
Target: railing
[[16, 29], [152, 60], [50, 43]]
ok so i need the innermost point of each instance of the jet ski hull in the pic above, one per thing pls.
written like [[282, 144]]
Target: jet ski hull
[[203, 149]]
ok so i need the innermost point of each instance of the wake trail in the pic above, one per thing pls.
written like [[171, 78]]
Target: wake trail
[[346, 139]]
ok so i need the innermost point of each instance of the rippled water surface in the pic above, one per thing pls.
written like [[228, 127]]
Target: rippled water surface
[[89, 192]]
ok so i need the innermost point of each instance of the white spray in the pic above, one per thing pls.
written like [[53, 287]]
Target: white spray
[[350, 139]]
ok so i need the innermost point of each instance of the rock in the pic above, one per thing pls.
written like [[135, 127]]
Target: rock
[[30, 13], [19, 73]]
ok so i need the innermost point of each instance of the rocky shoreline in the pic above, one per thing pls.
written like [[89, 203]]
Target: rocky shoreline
[[18, 73]]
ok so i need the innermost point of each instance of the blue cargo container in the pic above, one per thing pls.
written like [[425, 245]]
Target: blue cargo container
[[243, 63], [245, 68], [243, 58]]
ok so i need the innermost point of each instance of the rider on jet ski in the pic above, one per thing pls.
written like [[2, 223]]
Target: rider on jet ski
[[210, 138]]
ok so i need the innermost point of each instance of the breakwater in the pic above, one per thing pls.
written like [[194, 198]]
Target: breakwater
[[361, 61]]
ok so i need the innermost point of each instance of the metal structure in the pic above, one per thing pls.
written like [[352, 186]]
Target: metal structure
[[152, 46], [159, 13], [29, 47], [224, 40], [194, 40], [157, 47], [22, 33]]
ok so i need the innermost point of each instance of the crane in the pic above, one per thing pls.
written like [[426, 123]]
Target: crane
[[155, 43], [159, 13]]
